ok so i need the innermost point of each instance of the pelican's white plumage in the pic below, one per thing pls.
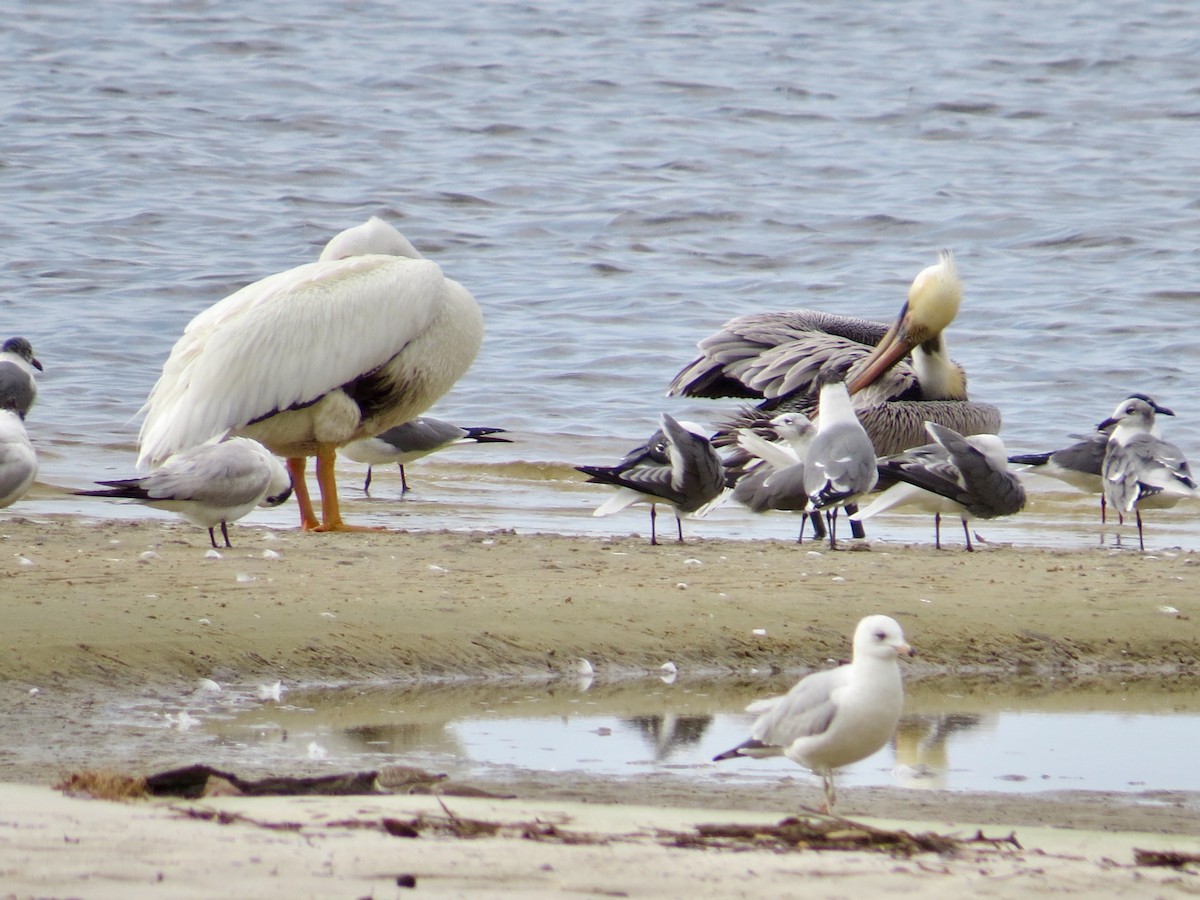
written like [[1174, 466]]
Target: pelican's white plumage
[[310, 359]]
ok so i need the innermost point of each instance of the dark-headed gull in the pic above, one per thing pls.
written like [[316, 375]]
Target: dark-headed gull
[[18, 384], [210, 485], [413, 440]]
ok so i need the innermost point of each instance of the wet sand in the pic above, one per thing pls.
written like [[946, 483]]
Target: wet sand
[[94, 610]]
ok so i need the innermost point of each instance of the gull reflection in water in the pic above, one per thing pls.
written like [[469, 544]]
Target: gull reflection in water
[[668, 733], [922, 758]]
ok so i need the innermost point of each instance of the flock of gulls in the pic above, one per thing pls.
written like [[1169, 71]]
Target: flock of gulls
[[845, 412], [837, 411]]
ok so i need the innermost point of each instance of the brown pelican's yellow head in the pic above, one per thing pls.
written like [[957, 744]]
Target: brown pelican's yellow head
[[933, 301]]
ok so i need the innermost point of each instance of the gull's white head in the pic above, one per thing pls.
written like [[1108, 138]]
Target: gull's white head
[[372, 236], [880, 637]]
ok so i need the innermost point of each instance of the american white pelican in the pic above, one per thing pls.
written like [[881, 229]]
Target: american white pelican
[[413, 440], [313, 358], [838, 716], [776, 357], [690, 477], [210, 485], [1080, 464], [18, 385], [839, 465], [1138, 464], [967, 476], [18, 461]]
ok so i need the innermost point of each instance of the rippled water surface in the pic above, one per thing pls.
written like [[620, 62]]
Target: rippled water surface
[[612, 181]]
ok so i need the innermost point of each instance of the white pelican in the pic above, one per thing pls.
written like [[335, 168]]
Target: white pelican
[[690, 477], [776, 357], [210, 485], [837, 716], [18, 385], [839, 465], [1138, 464], [1080, 464], [313, 358], [18, 461], [968, 476], [413, 440]]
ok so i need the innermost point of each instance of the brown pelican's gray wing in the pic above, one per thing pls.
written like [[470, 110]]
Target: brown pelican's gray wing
[[745, 358], [897, 426]]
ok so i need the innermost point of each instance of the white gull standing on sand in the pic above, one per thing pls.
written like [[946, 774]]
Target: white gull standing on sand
[[839, 465], [1138, 464], [308, 360], [835, 717], [689, 479], [210, 485], [967, 476], [18, 461], [414, 440]]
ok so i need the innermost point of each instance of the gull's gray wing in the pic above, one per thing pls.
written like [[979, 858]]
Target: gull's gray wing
[[806, 710]]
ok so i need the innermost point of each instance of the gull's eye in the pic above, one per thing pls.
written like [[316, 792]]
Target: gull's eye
[[881, 635]]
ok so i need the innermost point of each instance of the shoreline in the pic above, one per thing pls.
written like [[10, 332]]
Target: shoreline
[[98, 612]]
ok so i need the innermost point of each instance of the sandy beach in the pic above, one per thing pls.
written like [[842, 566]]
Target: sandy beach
[[95, 609]]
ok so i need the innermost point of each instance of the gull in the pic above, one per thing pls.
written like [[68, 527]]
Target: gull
[[308, 360], [835, 717], [1140, 465], [955, 474], [777, 358], [1080, 464], [413, 440], [18, 461], [776, 482], [209, 485], [839, 465], [689, 478], [18, 385]]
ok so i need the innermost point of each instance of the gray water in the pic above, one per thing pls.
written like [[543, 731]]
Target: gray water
[[612, 181], [1016, 735]]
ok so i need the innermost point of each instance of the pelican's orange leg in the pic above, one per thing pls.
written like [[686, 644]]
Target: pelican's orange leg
[[308, 516], [330, 512]]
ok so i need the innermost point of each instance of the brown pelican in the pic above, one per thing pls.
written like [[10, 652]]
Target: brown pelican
[[776, 358], [310, 359]]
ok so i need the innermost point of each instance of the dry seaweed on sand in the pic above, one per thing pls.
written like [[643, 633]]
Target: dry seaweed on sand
[[1170, 858], [830, 833], [103, 784]]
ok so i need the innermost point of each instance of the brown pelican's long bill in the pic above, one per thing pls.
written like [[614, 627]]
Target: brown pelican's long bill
[[890, 349]]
